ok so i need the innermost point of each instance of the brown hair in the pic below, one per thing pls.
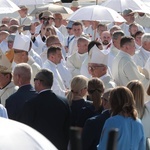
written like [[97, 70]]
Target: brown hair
[[95, 90], [122, 102], [137, 90]]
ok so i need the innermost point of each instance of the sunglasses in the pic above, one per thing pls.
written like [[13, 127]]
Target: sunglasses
[[47, 18], [35, 79]]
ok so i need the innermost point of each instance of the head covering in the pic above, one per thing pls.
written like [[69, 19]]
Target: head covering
[[127, 11], [47, 13], [98, 56], [75, 4], [11, 37], [21, 42], [23, 7], [70, 23], [5, 65]]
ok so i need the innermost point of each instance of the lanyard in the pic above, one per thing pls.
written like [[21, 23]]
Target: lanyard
[[69, 40]]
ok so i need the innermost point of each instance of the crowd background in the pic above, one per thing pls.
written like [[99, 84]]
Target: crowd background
[[91, 75]]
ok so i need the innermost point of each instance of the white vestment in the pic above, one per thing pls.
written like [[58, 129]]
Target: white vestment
[[124, 70]]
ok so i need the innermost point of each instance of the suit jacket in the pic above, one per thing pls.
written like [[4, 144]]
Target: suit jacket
[[15, 102], [50, 115], [92, 131]]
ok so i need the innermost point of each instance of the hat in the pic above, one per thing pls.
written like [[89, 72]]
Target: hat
[[98, 56], [11, 37], [5, 65], [70, 23], [86, 37], [127, 11], [75, 4], [47, 14], [23, 7], [21, 42]]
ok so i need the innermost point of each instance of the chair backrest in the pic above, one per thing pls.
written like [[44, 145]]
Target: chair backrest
[[112, 139], [148, 143]]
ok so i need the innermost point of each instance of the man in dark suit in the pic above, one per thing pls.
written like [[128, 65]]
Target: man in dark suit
[[48, 113], [93, 126], [21, 77]]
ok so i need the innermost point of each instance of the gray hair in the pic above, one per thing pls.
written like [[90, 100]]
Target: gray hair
[[117, 33], [24, 70], [145, 37]]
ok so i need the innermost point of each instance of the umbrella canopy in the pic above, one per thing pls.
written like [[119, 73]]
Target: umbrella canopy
[[121, 5], [53, 8], [6, 6], [18, 136], [33, 2], [146, 2], [96, 13]]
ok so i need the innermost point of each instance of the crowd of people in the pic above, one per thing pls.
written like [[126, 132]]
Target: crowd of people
[[57, 73]]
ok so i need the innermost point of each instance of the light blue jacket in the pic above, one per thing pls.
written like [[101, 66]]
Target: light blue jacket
[[130, 136]]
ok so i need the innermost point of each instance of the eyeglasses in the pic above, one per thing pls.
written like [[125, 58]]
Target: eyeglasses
[[37, 79], [94, 67], [17, 51], [48, 29], [47, 18]]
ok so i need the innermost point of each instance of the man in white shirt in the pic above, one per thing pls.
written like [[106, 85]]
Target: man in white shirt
[[143, 54], [84, 68], [144, 20], [7, 86], [124, 69], [106, 39], [58, 18], [70, 36], [129, 17], [24, 19], [77, 28], [115, 47], [54, 57], [74, 62], [137, 37], [21, 48], [98, 66]]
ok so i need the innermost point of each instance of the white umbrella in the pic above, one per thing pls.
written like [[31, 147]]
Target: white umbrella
[[53, 8], [97, 13], [18, 136], [146, 2], [121, 5], [33, 2], [6, 6]]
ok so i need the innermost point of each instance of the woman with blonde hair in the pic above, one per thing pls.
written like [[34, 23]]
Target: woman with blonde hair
[[143, 109], [76, 97], [137, 90], [95, 91], [125, 119]]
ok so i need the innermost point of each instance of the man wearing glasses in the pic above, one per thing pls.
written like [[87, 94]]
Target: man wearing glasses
[[97, 67], [22, 46]]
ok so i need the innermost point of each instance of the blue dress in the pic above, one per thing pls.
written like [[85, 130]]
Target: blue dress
[[130, 136]]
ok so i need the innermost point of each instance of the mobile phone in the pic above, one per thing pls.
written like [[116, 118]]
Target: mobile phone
[[27, 28]]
